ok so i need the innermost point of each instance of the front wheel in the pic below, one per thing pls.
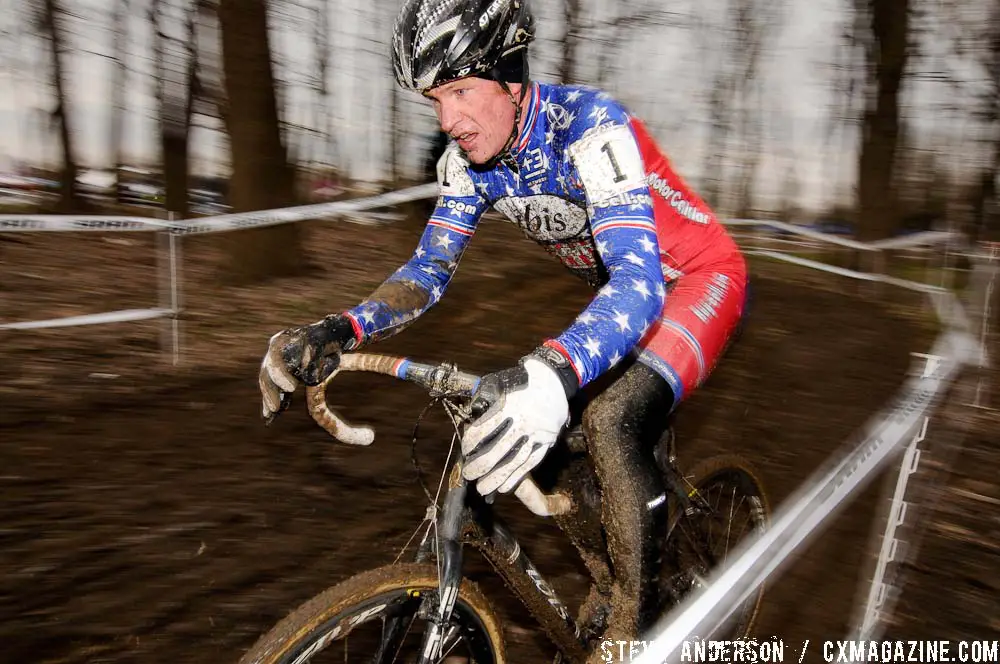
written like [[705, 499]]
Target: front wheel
[[728, 507], [381, 616]]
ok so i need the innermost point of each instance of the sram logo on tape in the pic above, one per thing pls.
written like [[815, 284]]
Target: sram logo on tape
[[109, 224], [10, 224]]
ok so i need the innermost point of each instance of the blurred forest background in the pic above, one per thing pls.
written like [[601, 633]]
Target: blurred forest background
[[150, 516], [865, 117]]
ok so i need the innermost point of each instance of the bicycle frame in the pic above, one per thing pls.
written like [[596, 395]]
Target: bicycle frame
[[467, 519]]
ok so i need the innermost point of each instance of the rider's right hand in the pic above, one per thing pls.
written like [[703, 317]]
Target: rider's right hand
[[307, 354]]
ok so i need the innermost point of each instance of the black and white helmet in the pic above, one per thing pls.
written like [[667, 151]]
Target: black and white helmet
[[435, 41]]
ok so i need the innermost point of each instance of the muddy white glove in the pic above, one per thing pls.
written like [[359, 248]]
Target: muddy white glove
[[521, 411], [306, 355]]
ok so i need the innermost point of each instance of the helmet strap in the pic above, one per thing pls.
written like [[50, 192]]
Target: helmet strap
[[507, 155]]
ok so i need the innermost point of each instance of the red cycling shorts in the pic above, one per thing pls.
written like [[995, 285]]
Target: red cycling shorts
[[700, 313], [706, 278]]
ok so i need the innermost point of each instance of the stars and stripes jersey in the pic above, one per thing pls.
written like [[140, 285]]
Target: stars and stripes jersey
[[596, 192]]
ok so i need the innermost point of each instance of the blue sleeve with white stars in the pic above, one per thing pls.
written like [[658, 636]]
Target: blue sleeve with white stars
[[606, 158], [419, 283]]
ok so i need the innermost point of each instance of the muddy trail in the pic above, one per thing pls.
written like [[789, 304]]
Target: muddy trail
[[149, 516]]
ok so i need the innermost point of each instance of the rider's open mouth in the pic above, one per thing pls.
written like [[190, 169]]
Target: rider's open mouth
[[465, 139]]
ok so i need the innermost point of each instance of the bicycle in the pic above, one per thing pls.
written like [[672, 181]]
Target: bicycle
[[432, 589]]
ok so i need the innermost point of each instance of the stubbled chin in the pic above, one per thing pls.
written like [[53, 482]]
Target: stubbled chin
[[476, 154], [473, 155]]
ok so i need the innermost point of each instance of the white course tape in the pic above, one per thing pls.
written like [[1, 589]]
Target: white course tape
[[225, 222], [725, 589], [799, 230], [57, 222], [918, 239], [90, 319], [833, 269], [243, 220], [240, 220], [923, 238]]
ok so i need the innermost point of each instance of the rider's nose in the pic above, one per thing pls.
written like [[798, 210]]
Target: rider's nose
[[448, 117]]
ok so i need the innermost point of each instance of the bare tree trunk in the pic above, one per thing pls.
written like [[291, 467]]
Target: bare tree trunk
[[570, 41], [989, 198], [617, 31], [847, 83], [325, 123], [286, 129], [175, 89], [116, 133], [719, 108], [261, 177], [395, 128], [210, 95], [321, 41], [752, 140], [790, 192], [750, 23], [887, 57], [329, 129], [759, 23], [50, 22], [719, 116], [986, 207]]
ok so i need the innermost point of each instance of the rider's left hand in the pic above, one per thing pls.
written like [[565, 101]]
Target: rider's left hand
[[520, 413], [306, 354]]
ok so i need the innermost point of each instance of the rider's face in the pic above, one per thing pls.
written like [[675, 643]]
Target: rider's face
[[477, 113]]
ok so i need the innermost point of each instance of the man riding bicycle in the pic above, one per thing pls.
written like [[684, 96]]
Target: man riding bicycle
[[576, 172]]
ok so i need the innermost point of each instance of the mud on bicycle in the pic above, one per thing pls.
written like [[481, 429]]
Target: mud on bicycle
[[426, 611]]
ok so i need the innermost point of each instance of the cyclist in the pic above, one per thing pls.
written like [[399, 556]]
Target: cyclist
[[575, 171]]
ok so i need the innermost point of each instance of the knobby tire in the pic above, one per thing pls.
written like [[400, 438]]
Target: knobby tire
[[311, 625]]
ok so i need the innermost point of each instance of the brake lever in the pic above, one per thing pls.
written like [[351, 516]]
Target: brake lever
[[286, 401]]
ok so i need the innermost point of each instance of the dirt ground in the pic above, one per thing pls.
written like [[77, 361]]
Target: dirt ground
[[147, 515]]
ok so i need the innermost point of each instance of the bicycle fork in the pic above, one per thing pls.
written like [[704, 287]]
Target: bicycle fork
[[440, 631]]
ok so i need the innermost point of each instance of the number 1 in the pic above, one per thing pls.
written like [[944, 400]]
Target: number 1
[[606, 148]]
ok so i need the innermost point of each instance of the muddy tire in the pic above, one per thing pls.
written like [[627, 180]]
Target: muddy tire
[[347, 622], [730, 485]]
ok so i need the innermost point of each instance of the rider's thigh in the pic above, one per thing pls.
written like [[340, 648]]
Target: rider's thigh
[[701, 314]]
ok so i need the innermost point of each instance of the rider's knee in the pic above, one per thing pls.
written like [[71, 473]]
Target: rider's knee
[[638, 403], [623, 424]]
